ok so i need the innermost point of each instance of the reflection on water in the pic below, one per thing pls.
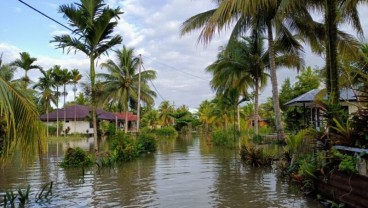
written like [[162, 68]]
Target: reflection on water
[[185, 172]]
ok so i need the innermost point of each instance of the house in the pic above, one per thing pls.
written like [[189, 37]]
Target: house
[[348, 101], [78, 118], [250, 121]]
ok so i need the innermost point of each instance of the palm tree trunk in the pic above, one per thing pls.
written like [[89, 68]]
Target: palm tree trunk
[[57, 111], [126, 121], [75, 111], [94, 104], [275, 93], [47, 119], [64, 112], [331, 51], [256, 97], [238, 115]]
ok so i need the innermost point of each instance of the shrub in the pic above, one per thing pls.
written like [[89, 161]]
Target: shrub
[[256, 156], [223, 138], [147, 142], [166, 131], [52, 130], [77, 158], [347, 162], [123, 147]]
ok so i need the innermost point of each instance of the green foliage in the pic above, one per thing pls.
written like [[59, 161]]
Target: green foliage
[[110, 129], [123, 147], [147, 142], [344, 132], [77, 157], [52, 130], [295, 118], [257, 156], [22, 196], [257, 139], [359, 124], [166, 131], [347, 162], [223, 138]]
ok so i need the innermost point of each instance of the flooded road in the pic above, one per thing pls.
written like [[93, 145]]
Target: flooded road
[[185, 172]]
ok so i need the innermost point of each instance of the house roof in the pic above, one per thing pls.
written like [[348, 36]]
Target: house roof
[[131, 116], [308, 98], [81, 112]]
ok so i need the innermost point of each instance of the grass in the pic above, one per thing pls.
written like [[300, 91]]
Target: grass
[[71, 137]]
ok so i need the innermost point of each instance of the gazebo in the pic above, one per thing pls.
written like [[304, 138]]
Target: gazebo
[[307, 100]]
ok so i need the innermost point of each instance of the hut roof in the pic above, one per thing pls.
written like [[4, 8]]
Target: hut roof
[[308, 98]]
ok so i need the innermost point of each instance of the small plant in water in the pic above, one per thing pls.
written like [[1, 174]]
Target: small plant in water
[[77, 158], [22, 196]]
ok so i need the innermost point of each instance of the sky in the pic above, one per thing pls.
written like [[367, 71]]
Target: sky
[[151, 27]]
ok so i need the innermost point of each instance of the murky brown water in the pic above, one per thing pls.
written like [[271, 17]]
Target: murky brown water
[[186, 172]]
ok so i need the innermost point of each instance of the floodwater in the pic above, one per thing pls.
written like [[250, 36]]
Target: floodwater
[[184, 172]]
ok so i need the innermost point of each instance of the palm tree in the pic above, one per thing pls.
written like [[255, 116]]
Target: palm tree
[[45, 85], [164, 113], [122, 81], [76, 76], [262, 16], [26, 63], [23, 127], [336, 42], [56, 75], [66, 78], [206, 114], [6, 70], [94, 23]]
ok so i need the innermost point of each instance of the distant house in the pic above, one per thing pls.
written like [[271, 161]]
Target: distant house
[[348, 101], [78, 118], [250, 121]]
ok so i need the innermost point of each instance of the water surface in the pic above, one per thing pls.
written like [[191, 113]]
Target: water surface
[[186, 172]]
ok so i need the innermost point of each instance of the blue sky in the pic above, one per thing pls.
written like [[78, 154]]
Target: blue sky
[[151, 27]]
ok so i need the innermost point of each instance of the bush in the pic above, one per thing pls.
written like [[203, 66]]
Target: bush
[[256, 156], [166, 131], [124, 148], [52, 130], [147, 142], [77, 158], [223, 138]]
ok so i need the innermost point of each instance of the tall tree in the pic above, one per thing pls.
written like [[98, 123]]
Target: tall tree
[[76, 77], [122, 82], [26, 62], [57, 76], [23, 127], [45, 86], [93, 22], [6, 70], [164, 113], [66, 78], [264, 15]]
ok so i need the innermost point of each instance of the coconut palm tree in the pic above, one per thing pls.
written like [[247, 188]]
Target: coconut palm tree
[[263, 16], [23, 127], [336, 43], [164, 113], [122, 80], [93, 22], [45, 85], [206, 114], [6, 70], [25, 62]]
